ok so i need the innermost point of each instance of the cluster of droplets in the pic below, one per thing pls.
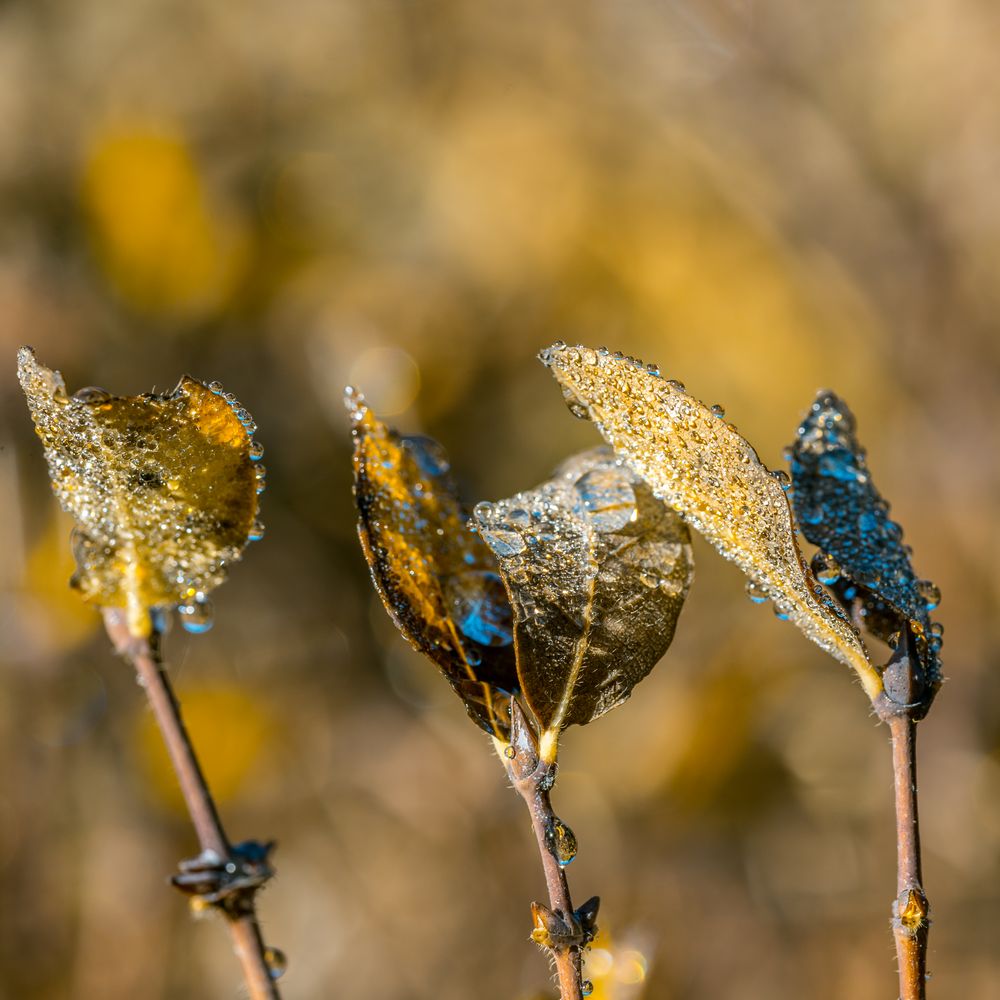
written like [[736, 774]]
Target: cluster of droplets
[[862, 555], [254, 449], [697, 463]]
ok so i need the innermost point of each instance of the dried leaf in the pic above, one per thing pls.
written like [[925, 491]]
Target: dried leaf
[[163, 489], [862, 555], [436, 577], [698, 464], [597, 570]]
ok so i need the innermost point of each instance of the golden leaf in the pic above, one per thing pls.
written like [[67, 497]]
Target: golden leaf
[[698, 464], [436, 577], [162, 487], [597, 570]]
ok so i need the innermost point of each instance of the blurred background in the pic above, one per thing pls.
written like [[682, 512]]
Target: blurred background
[[763, 197]]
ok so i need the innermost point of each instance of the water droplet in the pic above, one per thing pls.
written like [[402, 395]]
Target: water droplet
[[675, 385], [756, 592], [867, 522], [576, 405], [782, 479], [825, 568], [509, 752], [559, 345], [561, 842], [215, 387], [256, 451], [781, 614], [937, 629], [243, 416], [519, 518], [472, 656], [586, 987], [653, 369], [503, 543], [91, 394], [276, 961], [649, 579], [718, 410], [197, 616], [479, 607], [929, 594], [608, 499], [256, 532]]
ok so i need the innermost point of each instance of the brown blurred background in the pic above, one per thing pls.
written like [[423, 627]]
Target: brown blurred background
[[763, 197]]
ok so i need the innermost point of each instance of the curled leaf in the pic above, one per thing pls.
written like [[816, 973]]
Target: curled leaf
[[163, 489], [698, 464], [862, 556], [436, 577], [597, 570]]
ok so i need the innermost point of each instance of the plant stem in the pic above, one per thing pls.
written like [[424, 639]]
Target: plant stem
[[910, 909], [543, 819], [144, 655]]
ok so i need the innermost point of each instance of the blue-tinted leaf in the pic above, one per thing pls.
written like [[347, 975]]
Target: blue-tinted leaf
[[862, 555]]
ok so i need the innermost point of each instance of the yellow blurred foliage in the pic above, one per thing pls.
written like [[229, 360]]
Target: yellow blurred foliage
[[163, 243], [46, 578], [230, 727]]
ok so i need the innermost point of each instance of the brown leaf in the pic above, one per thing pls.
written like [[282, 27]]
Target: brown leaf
[[436, 577], [698, 464], [163, 489], [597, 570]]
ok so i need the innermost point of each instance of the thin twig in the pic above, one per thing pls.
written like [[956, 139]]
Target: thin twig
[[240, 912], [910, 909], [558, 927]]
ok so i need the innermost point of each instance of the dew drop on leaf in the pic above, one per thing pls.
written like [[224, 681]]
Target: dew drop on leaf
[[276, 961]]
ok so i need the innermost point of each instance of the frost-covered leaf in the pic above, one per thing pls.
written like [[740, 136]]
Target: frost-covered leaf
[[163, 489], [698, 464], [862, 555], [436, 577], [597, 570]]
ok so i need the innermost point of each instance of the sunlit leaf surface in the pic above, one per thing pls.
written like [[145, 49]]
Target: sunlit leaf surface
[[163, 488], [436, 577], [698, 464], [862, 555], [597, 570]]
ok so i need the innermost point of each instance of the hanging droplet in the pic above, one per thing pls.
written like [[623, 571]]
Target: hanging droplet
[[576, 405], [937, 629], [277, 962], [608, 498], [198, 616], [586, 987], [653, 369], [256, 451], [718, 410], [256, 532], [91, 394], [782, 479], [825, 568], [929, 594], [756, 592], [781, 614], [561, 842], [216, 387]]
